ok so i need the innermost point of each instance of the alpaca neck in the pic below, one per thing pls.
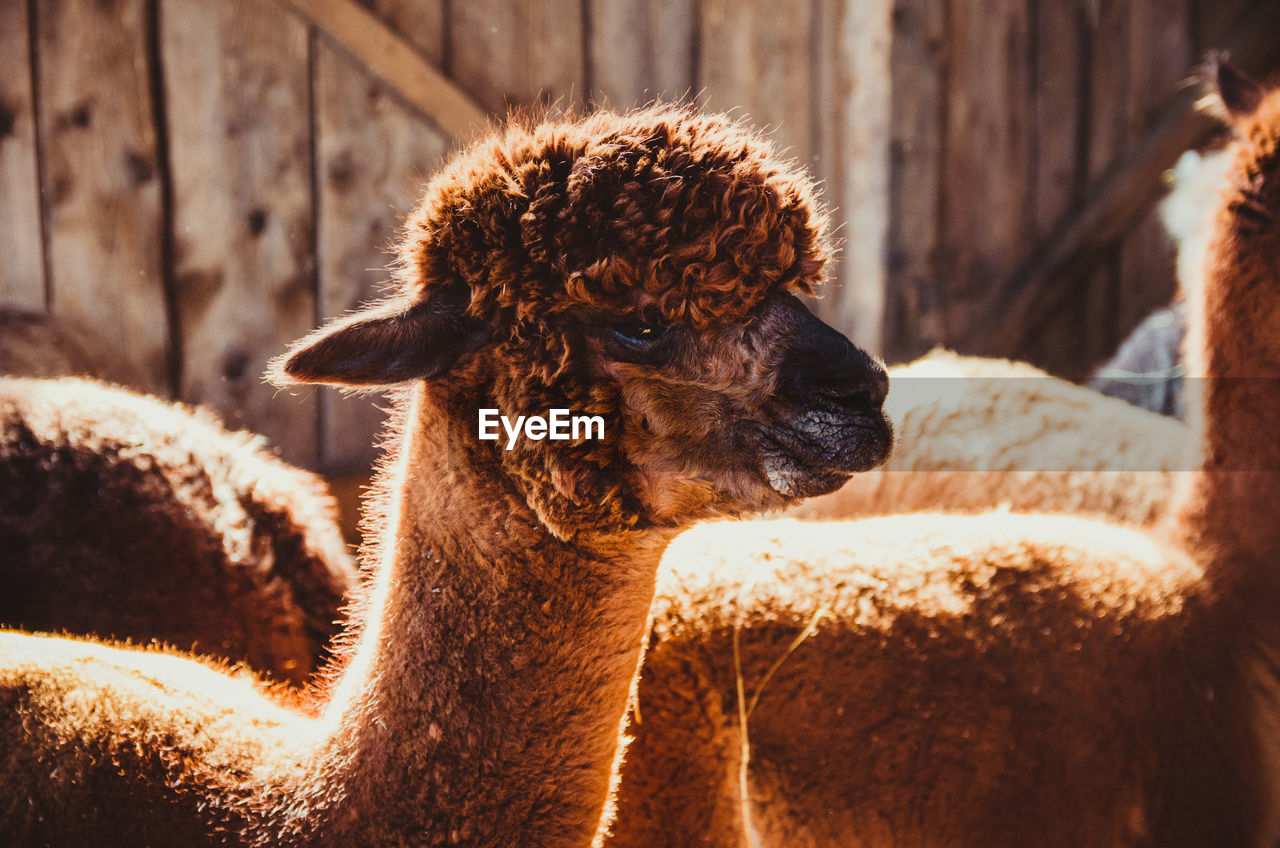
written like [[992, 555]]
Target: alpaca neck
[[483, 703], [1235, 366]]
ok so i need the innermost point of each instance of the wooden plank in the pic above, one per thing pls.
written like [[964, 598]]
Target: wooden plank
[[236, 85], [815, 76], [373, 156], [422, 23], [1057, 178], [1148, 276], [753, 63], [985, 206], [100, 177], [396, 62], [828, 136], [518, 54], [1212, 20], [1161, 48], [851, 148], [21, 250], [1057, 111], [1110, 75], [915, 317], [1110, 70], [639, 50], [1121, 196], [1164, 59]]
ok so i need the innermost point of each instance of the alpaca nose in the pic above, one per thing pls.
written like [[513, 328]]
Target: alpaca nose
[[843, 373], [821, 363]]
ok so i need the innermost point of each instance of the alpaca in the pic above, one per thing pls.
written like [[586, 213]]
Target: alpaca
[[1147, 369], [977, 433], [640, 267], [1010, 679], [1133, 492], [126, 517]]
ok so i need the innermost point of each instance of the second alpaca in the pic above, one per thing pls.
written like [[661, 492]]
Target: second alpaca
[[1010, 679]]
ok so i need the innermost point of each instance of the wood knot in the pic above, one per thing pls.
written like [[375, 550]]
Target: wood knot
[[257, 221], [8, 119], [139, 167], [81, 116], [235, 365]]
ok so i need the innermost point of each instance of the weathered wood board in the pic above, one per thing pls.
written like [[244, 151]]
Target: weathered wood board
[[423, 23], [1162, 63], [851, 98], [1211, 19], [374, 156], [641, 50], [1057, 180], [518, 54], [985, 159], [21, 238], [236, 79], [1110, 74], [755, 62], [915, 308], [100, 177]]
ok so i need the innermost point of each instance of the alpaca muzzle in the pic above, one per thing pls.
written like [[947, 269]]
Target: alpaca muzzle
[[831, 422]]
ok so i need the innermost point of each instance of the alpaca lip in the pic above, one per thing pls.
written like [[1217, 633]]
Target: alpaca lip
[[818, 450]]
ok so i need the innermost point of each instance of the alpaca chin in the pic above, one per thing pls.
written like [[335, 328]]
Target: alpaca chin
[[781, 475], [791, 479], [820, 449]]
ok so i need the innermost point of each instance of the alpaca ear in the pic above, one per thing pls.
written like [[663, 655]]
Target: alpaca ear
[[385, 344], [1239, 94]]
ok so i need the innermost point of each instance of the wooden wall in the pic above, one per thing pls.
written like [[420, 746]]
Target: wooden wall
[[1026, 129], [202, 181]]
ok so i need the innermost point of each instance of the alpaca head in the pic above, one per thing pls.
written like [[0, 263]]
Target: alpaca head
[[1244, 255], [1253, 197], [642, 268]]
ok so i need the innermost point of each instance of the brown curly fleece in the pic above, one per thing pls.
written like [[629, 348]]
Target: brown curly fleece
[[692, 211], [485, 683]]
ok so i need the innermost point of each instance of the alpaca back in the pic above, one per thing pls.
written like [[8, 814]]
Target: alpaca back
[[130, 518], [199, 739], [987, 680]]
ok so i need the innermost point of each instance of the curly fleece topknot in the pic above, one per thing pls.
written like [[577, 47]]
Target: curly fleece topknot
[[693, 210]]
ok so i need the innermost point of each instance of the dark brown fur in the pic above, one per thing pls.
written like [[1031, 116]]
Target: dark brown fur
[[130, 518], [688, 212]]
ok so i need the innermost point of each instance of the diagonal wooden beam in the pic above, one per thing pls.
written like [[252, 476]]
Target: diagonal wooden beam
[[1118, 199], [396, 63]]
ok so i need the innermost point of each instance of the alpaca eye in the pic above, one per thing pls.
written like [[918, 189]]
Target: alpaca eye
[[642, 331]]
